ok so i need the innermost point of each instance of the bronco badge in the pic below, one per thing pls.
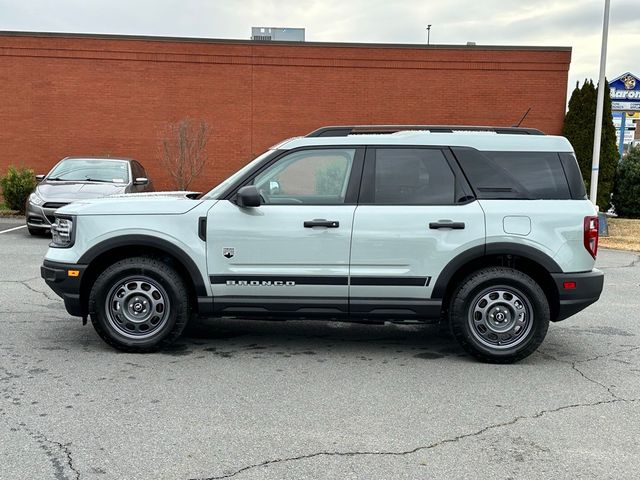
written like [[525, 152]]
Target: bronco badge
[[228, 252]]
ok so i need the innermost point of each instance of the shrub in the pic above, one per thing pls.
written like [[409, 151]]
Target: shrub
[[626, 193], [16, 186]]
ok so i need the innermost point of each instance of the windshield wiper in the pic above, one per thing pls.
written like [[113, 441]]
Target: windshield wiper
[[89, 179]]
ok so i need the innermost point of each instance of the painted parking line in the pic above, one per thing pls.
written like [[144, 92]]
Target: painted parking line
[[12, 229]]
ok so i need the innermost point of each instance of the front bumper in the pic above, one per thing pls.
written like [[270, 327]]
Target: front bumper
[[588, 287], [65, 284], [42, 216]]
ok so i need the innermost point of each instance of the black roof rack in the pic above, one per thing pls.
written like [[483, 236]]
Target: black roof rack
[[343, 131]]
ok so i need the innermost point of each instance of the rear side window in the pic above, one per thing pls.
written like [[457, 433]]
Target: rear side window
[[412, 176], [574, 176], [515, 175]]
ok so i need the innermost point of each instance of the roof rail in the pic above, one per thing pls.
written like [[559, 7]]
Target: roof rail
[[343, 131]]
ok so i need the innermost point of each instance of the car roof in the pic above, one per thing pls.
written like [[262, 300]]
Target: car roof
[[480, 138], [80, 157]]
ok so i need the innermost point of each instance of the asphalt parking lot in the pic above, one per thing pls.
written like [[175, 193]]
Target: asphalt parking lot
[[258, 400]]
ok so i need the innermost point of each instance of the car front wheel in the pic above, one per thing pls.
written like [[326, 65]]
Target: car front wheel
[[499, 315], [139, 304]]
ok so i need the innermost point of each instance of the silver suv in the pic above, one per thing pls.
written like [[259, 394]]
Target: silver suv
[[488, 229]]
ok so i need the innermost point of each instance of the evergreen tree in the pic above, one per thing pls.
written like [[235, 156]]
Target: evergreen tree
[[626, 194], [579, 127]]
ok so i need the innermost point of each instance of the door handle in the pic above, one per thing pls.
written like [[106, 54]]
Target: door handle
[[321, 222], [446, 224]]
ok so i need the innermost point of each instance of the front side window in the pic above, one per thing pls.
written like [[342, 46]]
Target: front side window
[[311, 177], [412, 176]]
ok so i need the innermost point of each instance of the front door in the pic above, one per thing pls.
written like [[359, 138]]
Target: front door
[[413, 218], [290, 255]]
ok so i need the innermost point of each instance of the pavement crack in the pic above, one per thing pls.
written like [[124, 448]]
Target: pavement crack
[[41, 292], [630, 265], [574, 366], [431, 446], [57, 462], [29, 287]]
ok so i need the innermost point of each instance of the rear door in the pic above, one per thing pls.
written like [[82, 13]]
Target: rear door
[[414, 216], [290, 255]]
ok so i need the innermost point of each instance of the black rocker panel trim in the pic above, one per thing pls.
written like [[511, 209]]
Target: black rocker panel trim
[[281, 306], [148, 241], [357, 309], [395, 309], [290, 280]]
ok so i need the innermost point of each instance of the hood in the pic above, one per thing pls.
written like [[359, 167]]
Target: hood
[[72, 191], [156, 203]]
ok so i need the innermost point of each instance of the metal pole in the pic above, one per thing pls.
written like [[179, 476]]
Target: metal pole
[[623, 126], [428, 34], [597, 135]]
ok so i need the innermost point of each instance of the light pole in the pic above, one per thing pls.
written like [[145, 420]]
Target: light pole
[[429, 34], [597, 134]]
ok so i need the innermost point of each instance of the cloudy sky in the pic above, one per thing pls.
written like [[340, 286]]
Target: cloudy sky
[[575, 23]]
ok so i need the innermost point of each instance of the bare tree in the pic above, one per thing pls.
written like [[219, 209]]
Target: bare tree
[[184, 155]]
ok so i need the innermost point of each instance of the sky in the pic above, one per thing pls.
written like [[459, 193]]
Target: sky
[[574, 23]]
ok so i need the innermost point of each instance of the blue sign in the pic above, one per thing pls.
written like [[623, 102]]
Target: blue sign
[[625, 93]]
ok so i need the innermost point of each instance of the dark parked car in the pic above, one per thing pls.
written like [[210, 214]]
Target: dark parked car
[[77, 178]]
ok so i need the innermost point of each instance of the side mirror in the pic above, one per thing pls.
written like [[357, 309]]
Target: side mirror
[[141, 181], [248, 197], [39, 178]]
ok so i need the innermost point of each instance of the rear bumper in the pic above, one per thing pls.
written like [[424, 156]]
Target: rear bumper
[[56, 276], [588, 287]]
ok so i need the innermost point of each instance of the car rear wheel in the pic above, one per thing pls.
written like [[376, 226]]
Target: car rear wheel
[[139, 304], [499, 315]]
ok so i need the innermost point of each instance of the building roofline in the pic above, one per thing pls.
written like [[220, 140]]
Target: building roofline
[[153, 38]]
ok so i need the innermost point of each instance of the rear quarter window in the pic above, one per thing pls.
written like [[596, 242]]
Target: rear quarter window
[[514, 175]]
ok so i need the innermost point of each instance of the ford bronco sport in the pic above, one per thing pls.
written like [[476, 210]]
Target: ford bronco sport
[[486, 228]]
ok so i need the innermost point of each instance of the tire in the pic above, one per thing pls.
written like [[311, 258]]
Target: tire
[[139, 305], [37, 232], [499, 315]]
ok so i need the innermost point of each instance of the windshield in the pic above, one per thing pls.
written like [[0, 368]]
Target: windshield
[[80, 169], [215, 193]]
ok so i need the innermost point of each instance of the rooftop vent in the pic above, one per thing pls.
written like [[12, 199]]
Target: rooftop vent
[[277, 34]]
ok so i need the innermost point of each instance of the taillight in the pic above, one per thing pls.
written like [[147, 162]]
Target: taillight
[[591, 235]]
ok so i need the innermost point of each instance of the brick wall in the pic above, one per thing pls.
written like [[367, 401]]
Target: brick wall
[[64, 95]]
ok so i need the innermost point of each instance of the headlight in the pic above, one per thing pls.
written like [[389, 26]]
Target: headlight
[[62, 233], [35, 199]]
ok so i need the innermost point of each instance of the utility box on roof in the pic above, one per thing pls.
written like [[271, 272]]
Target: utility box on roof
[[277, 34]]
